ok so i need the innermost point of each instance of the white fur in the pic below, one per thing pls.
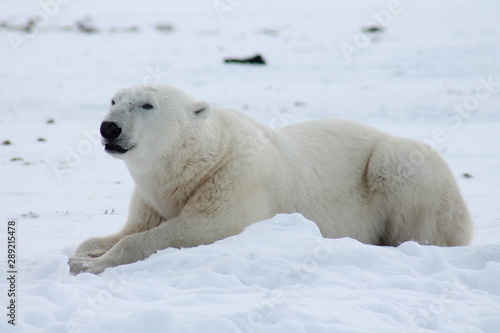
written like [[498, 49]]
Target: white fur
[[203, 174]]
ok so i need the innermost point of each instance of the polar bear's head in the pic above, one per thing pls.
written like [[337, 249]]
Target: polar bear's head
[[145, 120]]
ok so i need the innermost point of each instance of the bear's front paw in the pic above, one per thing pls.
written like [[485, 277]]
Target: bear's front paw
[[93, 247], [79, 265]]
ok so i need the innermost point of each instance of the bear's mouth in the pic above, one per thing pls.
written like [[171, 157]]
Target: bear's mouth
[[113, 148]]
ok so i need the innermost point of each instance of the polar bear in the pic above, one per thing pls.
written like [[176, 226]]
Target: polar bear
[[203, 173]]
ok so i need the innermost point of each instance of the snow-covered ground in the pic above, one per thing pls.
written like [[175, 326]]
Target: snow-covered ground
[[432, 73]]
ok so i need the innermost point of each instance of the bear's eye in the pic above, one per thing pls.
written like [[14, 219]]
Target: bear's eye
[[112, 102], [147, 106]]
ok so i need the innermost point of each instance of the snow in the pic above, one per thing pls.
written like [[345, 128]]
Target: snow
[[257, 281], [432, 74]]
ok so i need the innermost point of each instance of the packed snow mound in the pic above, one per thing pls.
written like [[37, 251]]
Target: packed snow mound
[[278, 275]]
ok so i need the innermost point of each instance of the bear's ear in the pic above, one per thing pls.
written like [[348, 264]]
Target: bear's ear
[[201, 110]]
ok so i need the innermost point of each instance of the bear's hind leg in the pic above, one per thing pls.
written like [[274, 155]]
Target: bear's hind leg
[[416, 193]]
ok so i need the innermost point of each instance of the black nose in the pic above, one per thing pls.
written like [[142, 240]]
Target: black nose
[[109, 130]]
